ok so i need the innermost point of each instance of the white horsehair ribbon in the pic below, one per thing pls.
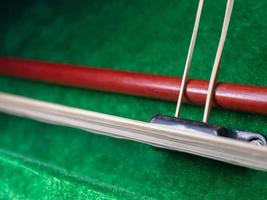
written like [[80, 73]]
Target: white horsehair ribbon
[[218, 148]]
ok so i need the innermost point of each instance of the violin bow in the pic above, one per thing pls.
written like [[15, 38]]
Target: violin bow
[[169, 132]]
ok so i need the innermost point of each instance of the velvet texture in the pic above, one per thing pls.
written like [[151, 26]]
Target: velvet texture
[[41, 161]]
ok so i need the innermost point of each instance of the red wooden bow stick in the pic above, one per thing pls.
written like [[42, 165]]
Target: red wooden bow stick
[[238, 97]]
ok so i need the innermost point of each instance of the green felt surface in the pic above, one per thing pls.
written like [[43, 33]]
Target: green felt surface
[[41, 161]]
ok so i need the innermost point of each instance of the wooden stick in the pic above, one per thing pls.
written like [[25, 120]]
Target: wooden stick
[[216, 65], [245, 98], [218, 148], [189, 58]]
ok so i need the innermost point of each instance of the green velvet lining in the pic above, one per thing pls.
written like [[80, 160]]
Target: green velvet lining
[[44, 161]]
